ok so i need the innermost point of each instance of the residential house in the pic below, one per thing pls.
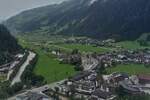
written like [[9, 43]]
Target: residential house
[[128, 87], [102, 95], [144, 79]]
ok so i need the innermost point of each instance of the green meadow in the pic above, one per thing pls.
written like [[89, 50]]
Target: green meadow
[[132, 45], [131, 69], [50, 68], [84, 48]]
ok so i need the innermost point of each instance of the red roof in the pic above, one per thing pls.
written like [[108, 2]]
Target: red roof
[[144, 77]]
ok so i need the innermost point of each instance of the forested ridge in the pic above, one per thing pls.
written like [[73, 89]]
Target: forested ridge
[[8, 45]]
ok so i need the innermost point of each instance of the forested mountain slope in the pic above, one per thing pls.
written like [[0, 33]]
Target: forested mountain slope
[[120, 19], [8, 45]]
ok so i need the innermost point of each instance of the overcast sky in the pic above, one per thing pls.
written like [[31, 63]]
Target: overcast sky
[[12, 7]]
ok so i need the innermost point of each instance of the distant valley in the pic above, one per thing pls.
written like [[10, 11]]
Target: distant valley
[[77, 50]]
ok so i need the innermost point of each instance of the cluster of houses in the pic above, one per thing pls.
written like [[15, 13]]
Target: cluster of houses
[[91, 86], [90, 41], [81, 40], [94, 86], [135, 56], [4, 69], [109, 59], [135, 84], [128, 56]]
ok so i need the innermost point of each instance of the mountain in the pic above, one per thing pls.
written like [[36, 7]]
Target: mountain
[[8, 45], [120, 19]]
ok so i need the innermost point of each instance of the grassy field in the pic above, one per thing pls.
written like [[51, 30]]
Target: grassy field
[[131, 45], [69, 47], [131, 69], [41, 38], [50, 68], [84, 48]]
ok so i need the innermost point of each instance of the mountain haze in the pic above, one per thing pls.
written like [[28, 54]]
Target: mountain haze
[[120, 19]]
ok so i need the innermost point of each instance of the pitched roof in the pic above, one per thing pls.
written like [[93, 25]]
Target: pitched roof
[[125, 75], [129, 88], [81, 75], [102, 94]]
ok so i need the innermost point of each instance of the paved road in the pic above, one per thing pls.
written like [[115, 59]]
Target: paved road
[[22, 68], [39, 89]]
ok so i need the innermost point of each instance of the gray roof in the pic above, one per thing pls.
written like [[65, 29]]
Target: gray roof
[[81, 75], [123, 74], [32, 96], [102, 94], [129, 88]]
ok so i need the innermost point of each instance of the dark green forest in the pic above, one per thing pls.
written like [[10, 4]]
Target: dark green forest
[[8, 45]]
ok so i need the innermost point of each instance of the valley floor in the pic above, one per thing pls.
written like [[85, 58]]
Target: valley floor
[[49, 66]]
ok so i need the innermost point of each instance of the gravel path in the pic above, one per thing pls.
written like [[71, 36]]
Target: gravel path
[[17, 78]]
